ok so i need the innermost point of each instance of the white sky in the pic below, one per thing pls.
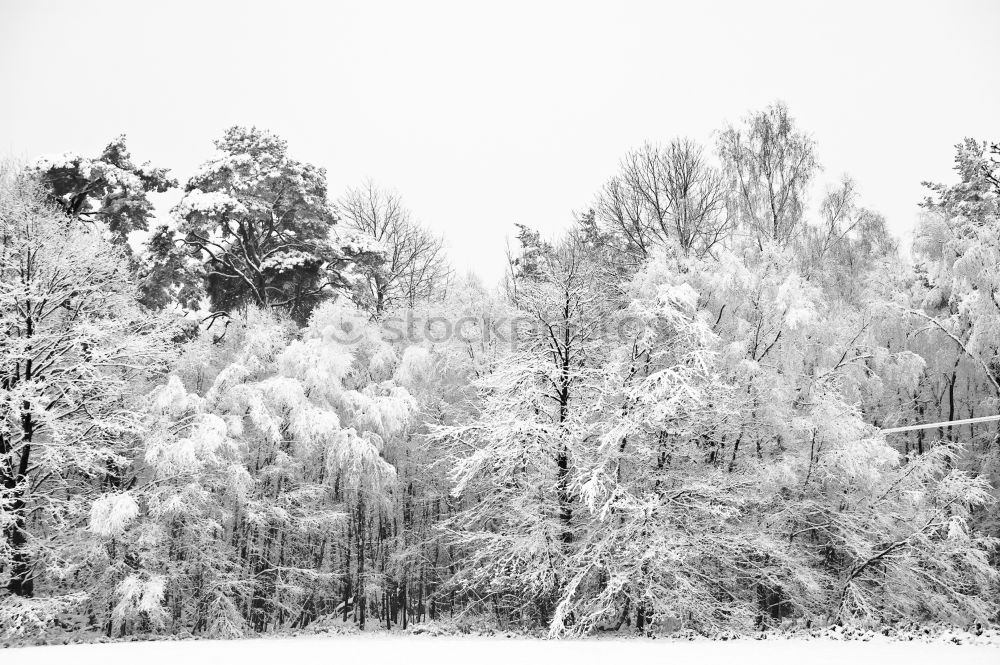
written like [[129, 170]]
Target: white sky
[[483, 117]]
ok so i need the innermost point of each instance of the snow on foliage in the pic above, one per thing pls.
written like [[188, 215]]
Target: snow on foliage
[[109, 191], [259, 229], [416, 365], [112, 513], [289, 432], [140, 597], [209, 204]]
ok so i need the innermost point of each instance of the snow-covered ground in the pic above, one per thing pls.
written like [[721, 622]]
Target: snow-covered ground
[[415, 650]]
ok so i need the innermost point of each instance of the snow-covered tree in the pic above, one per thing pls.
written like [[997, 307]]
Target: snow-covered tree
[[259, 229], [518, 453], [267, 471], [110, 189], [732, 486], [444, 348], [75, 346], [959, 243]]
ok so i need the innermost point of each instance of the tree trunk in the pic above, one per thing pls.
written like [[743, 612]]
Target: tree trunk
[[20, 583]]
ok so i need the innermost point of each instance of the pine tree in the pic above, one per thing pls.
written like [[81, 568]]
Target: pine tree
[[110, 189], [260, 229]]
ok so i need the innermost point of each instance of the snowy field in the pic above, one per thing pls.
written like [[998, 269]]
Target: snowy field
[[414, 650]]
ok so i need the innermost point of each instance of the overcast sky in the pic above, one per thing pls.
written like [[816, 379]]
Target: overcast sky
[[483, 117]]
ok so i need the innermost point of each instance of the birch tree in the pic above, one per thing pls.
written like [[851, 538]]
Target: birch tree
[[769, 164]]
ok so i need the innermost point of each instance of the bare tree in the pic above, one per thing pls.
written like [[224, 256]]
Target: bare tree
[[620, 207], [666, 193], [696, 194], [769, 164], [414, 267]]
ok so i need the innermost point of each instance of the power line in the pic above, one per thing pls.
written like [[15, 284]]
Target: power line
[[947, 423]]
